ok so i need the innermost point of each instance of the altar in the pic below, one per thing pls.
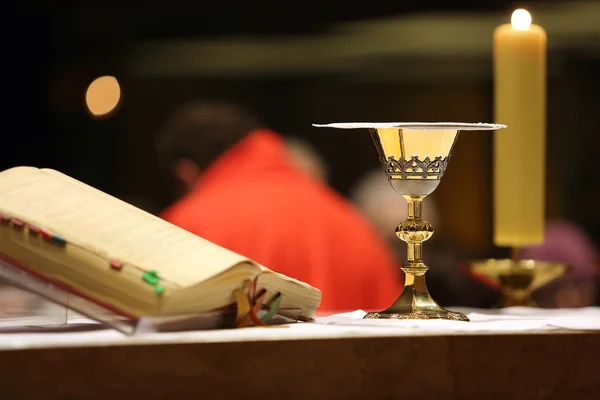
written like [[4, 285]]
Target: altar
[[511, 355]]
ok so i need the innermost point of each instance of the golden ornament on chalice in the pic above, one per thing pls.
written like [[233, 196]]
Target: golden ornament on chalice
[[414, 157]]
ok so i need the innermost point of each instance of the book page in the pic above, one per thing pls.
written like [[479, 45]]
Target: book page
[[93, 219]]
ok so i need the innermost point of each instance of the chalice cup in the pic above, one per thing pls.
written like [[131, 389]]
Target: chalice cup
[[414, 157]]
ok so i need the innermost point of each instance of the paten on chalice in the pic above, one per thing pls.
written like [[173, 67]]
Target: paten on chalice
[[414, 157]]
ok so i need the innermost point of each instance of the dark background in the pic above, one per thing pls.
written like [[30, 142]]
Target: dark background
[[52, 53]]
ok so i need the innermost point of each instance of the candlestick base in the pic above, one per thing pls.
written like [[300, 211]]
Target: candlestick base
[[517, 279]]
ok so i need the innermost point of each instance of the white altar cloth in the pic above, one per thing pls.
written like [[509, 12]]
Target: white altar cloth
[[84, 332]]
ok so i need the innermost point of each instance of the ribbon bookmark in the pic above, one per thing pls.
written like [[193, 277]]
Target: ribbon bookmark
[[249, 303], [243, 304], [274, 307]]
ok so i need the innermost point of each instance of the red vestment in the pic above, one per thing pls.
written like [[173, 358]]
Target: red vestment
[[253, 201]]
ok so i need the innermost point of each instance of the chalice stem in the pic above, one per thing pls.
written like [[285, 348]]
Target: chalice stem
[[414, 231], [415, 287], [415, 302], [414, 256]]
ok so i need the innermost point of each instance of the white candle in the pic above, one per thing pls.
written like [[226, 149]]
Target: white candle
[[520, 149]]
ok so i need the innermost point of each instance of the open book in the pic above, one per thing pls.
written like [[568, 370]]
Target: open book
[[121, 257]]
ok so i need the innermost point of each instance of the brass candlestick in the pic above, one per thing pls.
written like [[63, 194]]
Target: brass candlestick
[[415, 157]]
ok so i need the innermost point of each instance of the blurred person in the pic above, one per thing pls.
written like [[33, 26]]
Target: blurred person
[[305, 156], [244, 193], [385, 208], [567, 243], [446, 282]]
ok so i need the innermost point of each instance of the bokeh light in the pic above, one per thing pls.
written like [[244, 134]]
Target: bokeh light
[[103, 95]]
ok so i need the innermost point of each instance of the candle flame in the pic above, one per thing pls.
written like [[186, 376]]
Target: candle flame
[[521, 19]]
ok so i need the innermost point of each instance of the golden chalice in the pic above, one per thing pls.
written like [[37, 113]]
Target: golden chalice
[[518, 279], [414, 157]]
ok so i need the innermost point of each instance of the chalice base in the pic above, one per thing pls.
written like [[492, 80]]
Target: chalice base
[[429, 314], [415, 302]]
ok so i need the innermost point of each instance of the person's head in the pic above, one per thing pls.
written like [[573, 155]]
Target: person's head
[[197, 133], [379, 202], [307, 158]]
